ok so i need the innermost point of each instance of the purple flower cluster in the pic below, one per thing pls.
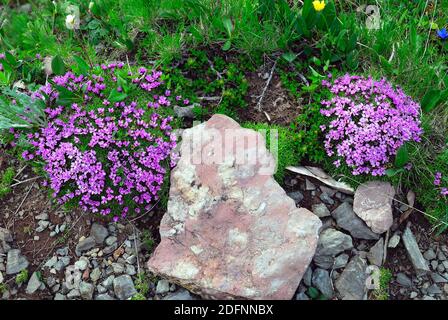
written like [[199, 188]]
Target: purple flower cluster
[[2, 56], [370, 121], [110, 157], [438, 183]]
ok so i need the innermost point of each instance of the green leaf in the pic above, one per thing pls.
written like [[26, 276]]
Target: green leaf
[[226, 45], [313, 293], [402, 156], [228, 25], [57, 65], [116, 96], [289, 56], [431, 100], [83, 67]]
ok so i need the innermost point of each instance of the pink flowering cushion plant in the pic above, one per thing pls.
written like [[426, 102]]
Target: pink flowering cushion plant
[[369, 121], [109, 149]]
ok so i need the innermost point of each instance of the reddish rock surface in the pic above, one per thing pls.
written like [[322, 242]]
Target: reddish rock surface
[[373, 204], [230, 230]]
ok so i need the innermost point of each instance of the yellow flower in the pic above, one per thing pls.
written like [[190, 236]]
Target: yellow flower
[[318, 5]]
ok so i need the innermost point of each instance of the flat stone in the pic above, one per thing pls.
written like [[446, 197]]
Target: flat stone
[[82, 264], [375, 255], [322, 282], [394, 241], [341, 261], [434, 289], [373, 204], [84, 245], [437, 278], [429, 255], [181, 294], [325, 197], [111, 240], [99, 233], [33, 284], [351, 284], [184, 112], [309, 186], [331, 243], [230, 230], [59, 296], [124, 287], [347, 220], [15, 262], [74, 293], [403, 280], [320, 210], [302, 296], [416, 257], [104, 296], [307, 277]]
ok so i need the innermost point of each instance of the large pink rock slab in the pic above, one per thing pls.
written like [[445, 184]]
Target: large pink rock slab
[[373, 204], [230, 231]]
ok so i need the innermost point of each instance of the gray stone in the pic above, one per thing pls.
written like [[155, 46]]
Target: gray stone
[[351, 284], [74, 293], [326, 198], [5, 235], [59, 296], [404, 280], [308, 276], [297, 196], [124, 287], [163, 286], [341, 261], [33, 284], [62, 251], [51, 262], [86, 290], [108, 282], [416, 257], [1, 277], [332, 242], [84, 245], [320, 210], [181, 294], [375, 255], [349, 221], [15, 262], [302, 296], [434, 264], [130, 270], [437, 278], [95, 275], [441, 256], [111, 240], [309, 186], [434, 289], [322, 281], [99, 232], [413, 295], [324, 261], [104, 296], [118, 268], [430, 255], [82, 264], [42, 216], [184, 112], [394, 241]]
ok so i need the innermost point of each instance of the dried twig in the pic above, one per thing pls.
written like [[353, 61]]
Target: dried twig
[[260, 100], [24, 181]]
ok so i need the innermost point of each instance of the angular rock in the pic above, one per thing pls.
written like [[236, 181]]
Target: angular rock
[[124, 287], [375, 255], [181, 294], [163, 286], [33, 284], [84, 245], [322, 281], [184, 112], [230, 230], [373, 204], [429, 255], [307, 277], [86, 290], [104, 296], [394, 241], [99, 233], [414, 253], [437, 278], [351, 284], [331, 243], [15, 262], [404, 280], [302, 296], [347, 220], [341, 261], [297, 196], [320, 210]]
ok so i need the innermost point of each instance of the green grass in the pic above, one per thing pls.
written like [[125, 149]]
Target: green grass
[[6, 179]]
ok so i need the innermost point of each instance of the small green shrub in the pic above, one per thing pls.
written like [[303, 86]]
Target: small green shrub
[[288, 154], [382, 293], [22, 276], [6, 180]]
